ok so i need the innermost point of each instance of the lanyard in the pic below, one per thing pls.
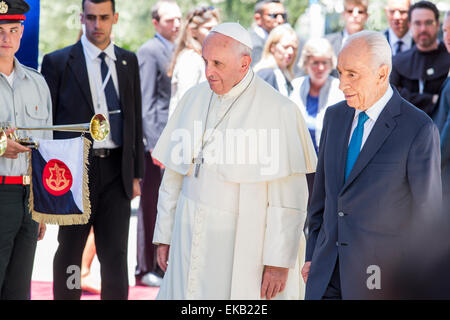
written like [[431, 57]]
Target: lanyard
[[101, 89]]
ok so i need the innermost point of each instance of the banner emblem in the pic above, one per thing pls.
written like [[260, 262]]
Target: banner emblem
[[57, 178]]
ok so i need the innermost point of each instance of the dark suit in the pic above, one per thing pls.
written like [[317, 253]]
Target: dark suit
[[367, 220], [442, 120], [268, 75], [154, 58], [110, 178], [388, 38]]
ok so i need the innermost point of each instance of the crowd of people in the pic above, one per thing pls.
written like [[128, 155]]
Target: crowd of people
[[340, 164]]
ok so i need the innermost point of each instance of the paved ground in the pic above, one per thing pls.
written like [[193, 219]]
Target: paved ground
[[46, 248]]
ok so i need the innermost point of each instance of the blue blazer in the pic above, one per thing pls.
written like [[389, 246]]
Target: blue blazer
[[367, 220]]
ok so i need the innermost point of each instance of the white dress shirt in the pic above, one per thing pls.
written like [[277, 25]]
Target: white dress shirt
[[373, 113], [93, 64], [393, 39]]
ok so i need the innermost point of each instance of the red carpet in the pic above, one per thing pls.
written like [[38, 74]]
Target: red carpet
[[43, 291]]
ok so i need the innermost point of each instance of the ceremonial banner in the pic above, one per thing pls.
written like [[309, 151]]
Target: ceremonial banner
[[59, 192]]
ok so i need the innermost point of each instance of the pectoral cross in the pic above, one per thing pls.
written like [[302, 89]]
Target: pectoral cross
[[198, 161]]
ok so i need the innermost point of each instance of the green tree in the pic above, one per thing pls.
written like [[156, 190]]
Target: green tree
[[60, 20]]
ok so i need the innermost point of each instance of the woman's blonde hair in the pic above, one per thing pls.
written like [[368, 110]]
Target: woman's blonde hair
[[194, 19], [275, 36], [320, 48]]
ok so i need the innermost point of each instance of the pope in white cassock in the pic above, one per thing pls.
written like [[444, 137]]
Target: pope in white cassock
[[232, 202]]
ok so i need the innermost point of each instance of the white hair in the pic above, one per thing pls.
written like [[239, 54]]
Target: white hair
[[243, 50], [377, 45]]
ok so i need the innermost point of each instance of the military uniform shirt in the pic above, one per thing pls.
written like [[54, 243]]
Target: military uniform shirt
[[27, 103]]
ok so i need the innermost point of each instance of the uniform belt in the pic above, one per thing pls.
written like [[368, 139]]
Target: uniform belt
[[23, 180]]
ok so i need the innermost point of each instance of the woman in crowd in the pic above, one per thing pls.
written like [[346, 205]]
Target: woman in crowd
[[278, 58], [187, 68], [316, 91]]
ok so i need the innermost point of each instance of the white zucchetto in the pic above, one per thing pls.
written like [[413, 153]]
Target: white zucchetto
[[236, 31]]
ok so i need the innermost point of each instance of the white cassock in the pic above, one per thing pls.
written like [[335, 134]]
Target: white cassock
[[247, 207]]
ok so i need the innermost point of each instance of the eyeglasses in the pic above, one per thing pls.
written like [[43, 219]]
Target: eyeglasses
[[275, 15], [401, 12], [316, 63], [426, 23]]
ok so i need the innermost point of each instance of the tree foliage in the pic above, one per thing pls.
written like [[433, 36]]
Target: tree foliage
[[60, 20]]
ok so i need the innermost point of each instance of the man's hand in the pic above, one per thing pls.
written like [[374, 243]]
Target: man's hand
[[162, 256], [136, 188], [156, 162], [274, 281], [42, 229], [13, 149], [305, 270]]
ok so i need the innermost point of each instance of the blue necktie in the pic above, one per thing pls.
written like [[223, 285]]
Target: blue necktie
[[399, 46], [113, 102], [355, 144]]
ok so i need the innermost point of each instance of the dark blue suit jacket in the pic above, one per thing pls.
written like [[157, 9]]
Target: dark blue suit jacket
[[367, 220], [442, 120], [269, 76]]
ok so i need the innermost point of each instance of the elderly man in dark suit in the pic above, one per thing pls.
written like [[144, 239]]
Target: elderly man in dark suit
[[154, 58], [398, 34], [377, 180], [95, 76]]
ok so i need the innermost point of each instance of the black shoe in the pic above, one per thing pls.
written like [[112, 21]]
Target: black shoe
[[149, 280]]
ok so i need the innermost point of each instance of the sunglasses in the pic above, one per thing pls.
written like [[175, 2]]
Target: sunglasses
[[360, 12], [401, 12], [275, 15]]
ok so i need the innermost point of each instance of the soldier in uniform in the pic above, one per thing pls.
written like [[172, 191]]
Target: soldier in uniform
[[25, 101]]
